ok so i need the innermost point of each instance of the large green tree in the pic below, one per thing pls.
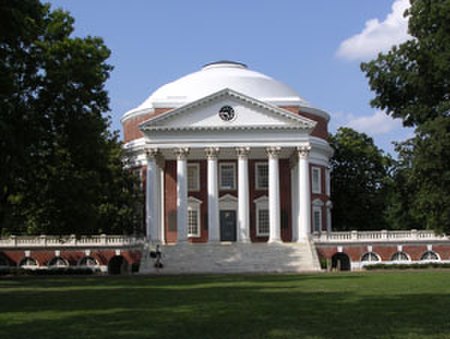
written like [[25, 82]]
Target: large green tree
[[60, 166], [412, 82], [358, 181]]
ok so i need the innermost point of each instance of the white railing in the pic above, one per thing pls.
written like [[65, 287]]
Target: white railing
[[377, 236], [70, 241]]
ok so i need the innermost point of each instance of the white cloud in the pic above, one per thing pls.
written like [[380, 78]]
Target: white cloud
[[377, 36], [377, 124]]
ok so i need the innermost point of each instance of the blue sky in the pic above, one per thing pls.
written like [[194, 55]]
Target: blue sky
[[313, 46]]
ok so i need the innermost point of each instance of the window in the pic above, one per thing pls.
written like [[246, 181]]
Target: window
[[28, 262], [58, 262], [400, 256], [317, 215], [193, 178], [88, 261], [262, 176], [194, 217], [316, 182], [317, 218], [263, 222], [327, 182], [370, 257], [430, 256], [227, 173], [262, 216]]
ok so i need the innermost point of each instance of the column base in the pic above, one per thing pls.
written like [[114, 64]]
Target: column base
[[274, 241]]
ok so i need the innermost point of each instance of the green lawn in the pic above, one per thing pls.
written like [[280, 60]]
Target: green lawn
[[351, 305]]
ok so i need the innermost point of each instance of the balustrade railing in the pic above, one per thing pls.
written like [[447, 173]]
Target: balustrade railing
[[70, 241], [409, 235]]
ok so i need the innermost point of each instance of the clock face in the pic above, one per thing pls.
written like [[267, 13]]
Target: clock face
[[226, 113]]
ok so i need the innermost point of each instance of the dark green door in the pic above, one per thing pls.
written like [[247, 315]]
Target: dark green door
[[227, 225]]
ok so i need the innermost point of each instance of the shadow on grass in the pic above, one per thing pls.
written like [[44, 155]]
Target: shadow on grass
[[273, 306]]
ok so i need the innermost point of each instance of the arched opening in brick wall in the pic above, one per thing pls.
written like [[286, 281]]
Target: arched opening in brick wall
[[340, 262], [28, 262], [118, 265]]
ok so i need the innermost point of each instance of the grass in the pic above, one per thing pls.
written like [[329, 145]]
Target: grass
[[345, 305]]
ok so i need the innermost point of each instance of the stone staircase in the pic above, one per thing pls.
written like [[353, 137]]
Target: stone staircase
[[233, 257]]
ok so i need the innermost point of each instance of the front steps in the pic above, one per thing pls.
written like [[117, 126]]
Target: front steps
[[233, 257]]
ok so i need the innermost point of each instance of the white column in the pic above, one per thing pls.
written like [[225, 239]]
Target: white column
[[182, 194], [304, 215], [274, 194], [151, 191], [213, 195], [294, 196], [243, 195]]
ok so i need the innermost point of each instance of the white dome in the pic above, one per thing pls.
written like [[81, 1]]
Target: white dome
[[216, 76]]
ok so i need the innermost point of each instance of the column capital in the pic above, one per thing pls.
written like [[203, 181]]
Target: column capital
[[181, 152], [212, 152], [273, 152], [151, 152], [303, 151], [242, 152]]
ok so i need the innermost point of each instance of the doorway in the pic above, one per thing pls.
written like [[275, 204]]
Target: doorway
[[227, 225]]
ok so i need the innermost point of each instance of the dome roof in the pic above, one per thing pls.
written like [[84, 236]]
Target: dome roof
[[214, 77]]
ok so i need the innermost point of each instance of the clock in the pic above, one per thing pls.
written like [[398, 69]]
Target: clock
[[226, 113]]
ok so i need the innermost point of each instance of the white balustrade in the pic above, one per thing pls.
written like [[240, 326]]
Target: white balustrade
[[69, 241], [380, 236]]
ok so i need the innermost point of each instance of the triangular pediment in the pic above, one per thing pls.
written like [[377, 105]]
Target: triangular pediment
[[246, 113]]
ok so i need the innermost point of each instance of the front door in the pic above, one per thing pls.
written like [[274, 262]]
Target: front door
[[227, 225]]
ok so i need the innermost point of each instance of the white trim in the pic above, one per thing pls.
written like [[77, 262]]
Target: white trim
[[298, 122], [316, 187], [257, 186], [228, 202], [195, 187], [223, 188]]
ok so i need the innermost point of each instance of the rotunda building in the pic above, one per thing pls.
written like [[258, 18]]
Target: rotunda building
[[228, 154]]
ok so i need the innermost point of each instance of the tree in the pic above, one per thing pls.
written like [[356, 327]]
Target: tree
[[358, 181], [412, 82], [60, 166]]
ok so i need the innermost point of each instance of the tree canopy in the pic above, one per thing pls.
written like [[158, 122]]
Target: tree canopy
[[412, 82], [60, 166], [358, 181]]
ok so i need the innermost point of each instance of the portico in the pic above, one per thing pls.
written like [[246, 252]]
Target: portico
[[260, 157]]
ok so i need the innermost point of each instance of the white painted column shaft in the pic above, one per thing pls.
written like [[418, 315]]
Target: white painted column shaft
[[182, 194], [213, 195], [304, 215], [274, 194], [294, 199], [243, 195], [151, 191]]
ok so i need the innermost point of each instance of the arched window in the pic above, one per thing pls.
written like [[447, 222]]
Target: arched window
[[430, 256], [370, 257], [88, 261], [28, 262], [400, 256], [58, 262]]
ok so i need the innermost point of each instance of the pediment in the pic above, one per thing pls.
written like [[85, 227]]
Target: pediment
[[247, 113]]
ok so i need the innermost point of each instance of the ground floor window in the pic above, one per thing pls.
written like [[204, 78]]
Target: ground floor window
[[400, 256], [194, 217], [262, 216], [370, 257], [430, 256]]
